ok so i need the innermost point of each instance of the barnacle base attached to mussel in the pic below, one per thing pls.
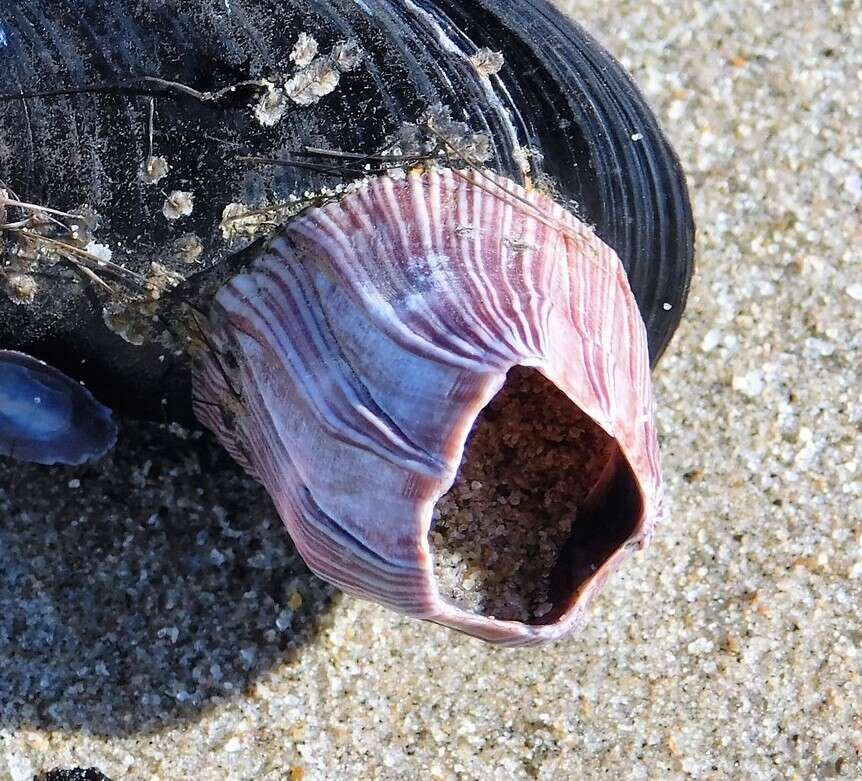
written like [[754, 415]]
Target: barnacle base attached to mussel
[[347, 368]]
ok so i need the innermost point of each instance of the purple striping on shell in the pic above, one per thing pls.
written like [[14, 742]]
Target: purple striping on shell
[[348, 366], [47, 417]]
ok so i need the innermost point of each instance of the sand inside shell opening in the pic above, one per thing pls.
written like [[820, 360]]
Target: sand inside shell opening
[[506, 539]]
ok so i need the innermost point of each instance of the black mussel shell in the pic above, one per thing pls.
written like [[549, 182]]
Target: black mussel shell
[[78, 80]]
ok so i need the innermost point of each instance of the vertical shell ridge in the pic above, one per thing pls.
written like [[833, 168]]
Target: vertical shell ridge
[[372, 332]]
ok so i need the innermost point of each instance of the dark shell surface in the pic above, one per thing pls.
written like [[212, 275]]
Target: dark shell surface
[[48, 418], [81, 132]]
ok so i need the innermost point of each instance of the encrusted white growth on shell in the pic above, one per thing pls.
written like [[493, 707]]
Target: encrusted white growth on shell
[[304, 50], [33, 238], [85, 224], [153, 169], [160, 280], [349, 364], [240, 221], [101, 251], [20, 287], [271, 106], [313, 82], [319, 76], [522, 157], [179, 203], [487, 62], [188, 248], [125, 322], [347, 55], [437, 133], [137, 320]]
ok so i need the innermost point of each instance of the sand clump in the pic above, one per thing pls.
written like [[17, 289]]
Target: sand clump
[[531, 459]]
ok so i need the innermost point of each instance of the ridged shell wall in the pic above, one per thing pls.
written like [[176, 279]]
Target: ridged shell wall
[[346, 368]]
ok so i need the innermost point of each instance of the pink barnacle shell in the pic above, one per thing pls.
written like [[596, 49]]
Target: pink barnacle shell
[[346, 369]]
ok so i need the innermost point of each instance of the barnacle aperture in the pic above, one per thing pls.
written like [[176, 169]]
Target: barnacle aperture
[[48, 418], [348, 366]]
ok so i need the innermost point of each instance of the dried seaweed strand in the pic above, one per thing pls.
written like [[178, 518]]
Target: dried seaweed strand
[[134, 85], [36, 208], [93, 261]]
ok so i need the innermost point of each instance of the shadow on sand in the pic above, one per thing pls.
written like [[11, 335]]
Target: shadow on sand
[[144, 589]]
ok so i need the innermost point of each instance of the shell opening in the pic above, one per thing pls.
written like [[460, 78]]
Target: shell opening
[[541, 501]]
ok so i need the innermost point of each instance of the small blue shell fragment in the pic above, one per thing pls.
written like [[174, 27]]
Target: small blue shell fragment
[[47, 417]]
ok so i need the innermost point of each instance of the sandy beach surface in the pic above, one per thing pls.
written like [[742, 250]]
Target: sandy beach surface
[[155, 621]]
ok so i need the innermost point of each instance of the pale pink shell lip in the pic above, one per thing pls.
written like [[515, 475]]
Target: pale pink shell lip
[[349, 364]]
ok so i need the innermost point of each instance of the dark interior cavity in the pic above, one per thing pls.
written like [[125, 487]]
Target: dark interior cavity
[[542, 499]]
